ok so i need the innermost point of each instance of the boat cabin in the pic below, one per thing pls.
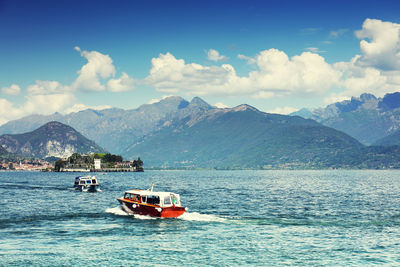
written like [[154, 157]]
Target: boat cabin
[[85, 180], [161, 199]]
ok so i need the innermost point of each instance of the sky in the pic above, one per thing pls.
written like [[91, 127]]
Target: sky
[[278, 56]]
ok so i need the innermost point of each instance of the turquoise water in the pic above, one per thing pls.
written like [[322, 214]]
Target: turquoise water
[[253, 218]]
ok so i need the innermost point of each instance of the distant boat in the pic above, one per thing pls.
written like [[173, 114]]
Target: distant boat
[[150, 203], [86, 183]]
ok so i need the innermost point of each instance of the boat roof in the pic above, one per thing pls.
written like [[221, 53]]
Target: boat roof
[[148, 193], [85, 177]]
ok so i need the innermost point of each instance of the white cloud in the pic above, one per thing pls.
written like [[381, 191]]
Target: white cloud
[[46, 87], [80, 107], [48, 104], [220, 105], [153, 101], [382, 51], [315, 50], [249, 60], [263, 95], [123, 84], [214, 55], [35, 104], [14, 89], [377, 69], [283, 110], [99, 66], [334, 97], [306, 73]]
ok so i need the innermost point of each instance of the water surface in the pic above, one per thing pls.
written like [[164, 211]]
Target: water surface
[[235, 217]]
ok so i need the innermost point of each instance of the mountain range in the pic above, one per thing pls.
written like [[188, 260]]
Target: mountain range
[[53, 139], [369, 119], [175, 133]]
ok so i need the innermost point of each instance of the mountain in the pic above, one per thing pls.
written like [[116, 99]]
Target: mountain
[[390, 140], [304, 113], [244, 137], [114, 128], [53, 139], [366, 118]]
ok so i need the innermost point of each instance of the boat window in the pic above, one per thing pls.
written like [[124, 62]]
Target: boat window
[[175, 199], [136, 198], [167, 200], [88, 181], [94, 181], [126, 195], [153, 199], [144, 199], [81, 182]]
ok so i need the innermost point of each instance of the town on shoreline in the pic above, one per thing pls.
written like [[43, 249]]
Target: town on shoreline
[[94, 162]]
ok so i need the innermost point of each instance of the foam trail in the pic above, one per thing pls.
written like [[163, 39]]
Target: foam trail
[[117, 211], [195, 216]]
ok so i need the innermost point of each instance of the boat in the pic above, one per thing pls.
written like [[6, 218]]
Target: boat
[[86, 183], [151, 203]]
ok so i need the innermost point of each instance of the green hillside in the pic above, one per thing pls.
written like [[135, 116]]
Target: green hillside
[[246, 138]]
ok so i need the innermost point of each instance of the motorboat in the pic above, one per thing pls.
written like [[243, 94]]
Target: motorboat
[[86, 183], [151, 203]]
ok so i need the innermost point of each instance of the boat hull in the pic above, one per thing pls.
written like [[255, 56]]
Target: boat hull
[[151, 210], [87, 188]]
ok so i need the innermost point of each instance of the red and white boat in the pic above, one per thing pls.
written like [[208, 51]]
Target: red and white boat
[[150, 203]]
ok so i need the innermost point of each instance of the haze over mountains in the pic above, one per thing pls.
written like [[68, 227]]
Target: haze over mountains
[[177, 133]]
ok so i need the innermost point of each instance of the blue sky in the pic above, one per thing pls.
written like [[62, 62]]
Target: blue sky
[[278, 56]]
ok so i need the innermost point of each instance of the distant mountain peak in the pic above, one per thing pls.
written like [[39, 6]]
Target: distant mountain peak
[[199, 102], [51, 139], [390, 101], [244, 107]]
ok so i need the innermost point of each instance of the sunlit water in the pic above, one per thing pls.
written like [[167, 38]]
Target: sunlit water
[[254, 218]]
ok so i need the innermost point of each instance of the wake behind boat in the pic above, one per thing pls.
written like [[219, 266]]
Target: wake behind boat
[[86, 183], [150, 203]]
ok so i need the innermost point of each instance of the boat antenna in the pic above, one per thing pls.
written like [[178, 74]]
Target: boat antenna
[[151, 187]]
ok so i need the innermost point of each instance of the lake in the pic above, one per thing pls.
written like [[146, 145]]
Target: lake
[[254, 218]]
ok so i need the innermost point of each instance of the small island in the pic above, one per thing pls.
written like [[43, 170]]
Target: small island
[[97, 162]]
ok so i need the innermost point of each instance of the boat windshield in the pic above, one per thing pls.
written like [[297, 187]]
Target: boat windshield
[[167, 200], [175, 199], [153, 200]]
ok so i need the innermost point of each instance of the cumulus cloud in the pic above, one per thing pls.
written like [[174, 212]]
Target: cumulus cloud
[[171, 75], [35, 104], [99, 66], [46, 87], [153, 101], [377, 69], [220, 105], [263, 95], [124, 83], [80, 107], [305, 73], [382, 51], [14, 89], [214, 55], [283, 110]]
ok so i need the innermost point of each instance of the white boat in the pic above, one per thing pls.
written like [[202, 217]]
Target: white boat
[[86, 183]]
